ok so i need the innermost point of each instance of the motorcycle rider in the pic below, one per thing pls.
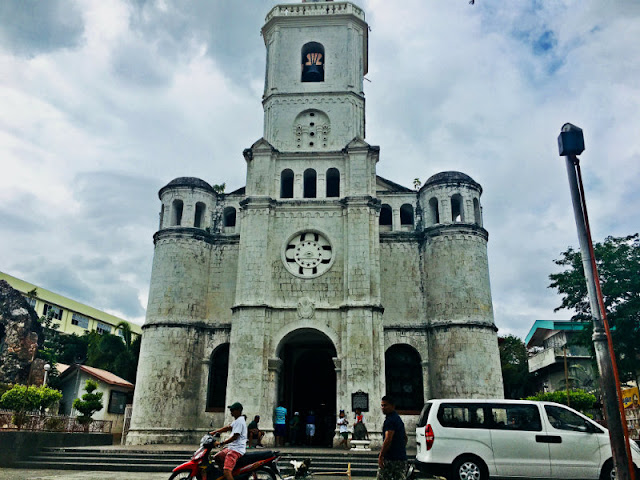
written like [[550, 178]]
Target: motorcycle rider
[[236, 444]]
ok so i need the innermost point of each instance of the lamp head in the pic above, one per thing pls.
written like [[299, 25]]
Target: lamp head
[[570, 140]]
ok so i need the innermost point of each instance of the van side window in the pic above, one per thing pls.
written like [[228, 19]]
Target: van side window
[[424, 415], [516, 417], [464, 415], [563, 419]]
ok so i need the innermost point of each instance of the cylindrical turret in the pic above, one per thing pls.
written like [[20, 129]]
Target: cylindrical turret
[[463, 342], [172, 349]]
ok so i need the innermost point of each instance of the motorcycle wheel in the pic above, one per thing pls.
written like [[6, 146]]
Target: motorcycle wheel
[[262, 474], [181, 476]]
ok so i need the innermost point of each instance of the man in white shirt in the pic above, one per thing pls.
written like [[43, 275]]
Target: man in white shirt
[[236, 444]]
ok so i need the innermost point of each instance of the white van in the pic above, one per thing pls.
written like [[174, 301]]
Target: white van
[[476, 439]]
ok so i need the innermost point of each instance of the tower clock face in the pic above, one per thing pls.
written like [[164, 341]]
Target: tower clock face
[[308, 254]]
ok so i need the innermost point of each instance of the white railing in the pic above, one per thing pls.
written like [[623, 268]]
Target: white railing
[[316, 8], [52, 423]]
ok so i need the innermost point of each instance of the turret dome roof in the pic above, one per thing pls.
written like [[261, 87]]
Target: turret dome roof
[[451, 177], [187, 182]]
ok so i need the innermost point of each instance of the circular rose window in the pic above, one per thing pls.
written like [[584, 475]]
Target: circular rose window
[[308, 254]]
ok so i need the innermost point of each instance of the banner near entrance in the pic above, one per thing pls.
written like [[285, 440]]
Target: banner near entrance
[[630, 397]]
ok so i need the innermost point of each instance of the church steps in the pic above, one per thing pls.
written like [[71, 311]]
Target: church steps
[[158, 460]]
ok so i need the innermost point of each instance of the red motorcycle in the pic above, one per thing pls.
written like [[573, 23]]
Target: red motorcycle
[[259, 465]]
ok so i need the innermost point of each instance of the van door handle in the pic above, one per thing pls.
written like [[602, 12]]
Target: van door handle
[[548, 439]]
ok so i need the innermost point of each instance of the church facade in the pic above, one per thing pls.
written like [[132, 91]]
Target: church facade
[[319, 285]]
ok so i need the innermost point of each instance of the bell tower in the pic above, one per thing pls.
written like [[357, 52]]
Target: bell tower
[[316, 61], [308, 263]]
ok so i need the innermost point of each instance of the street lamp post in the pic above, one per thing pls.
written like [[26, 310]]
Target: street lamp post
[[570, 145], [47, 367]]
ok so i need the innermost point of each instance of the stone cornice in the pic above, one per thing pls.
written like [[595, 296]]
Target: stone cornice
[[400, 237], [341, 307], [315, 98], [455, 228], [406, 328], [190, 233], [462, 323], [202, 326]]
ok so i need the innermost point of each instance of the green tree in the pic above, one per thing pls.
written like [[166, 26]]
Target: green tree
[[518, 382], [23, 399], [618, 262], [579, 399], [89, 404], [109, 352]]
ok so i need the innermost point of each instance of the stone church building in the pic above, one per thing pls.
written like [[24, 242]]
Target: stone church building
[[319, 284]]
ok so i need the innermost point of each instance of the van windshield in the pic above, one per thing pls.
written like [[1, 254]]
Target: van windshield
[[424, 415]]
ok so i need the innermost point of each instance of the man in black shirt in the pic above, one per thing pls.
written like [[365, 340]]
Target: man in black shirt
[[392, 461]]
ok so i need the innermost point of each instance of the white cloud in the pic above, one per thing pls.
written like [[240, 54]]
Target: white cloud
[[124, 97]]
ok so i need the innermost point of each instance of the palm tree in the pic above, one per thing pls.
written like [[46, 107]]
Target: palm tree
[[126, 333]]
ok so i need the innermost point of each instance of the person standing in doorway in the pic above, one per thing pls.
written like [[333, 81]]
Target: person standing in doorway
[[392, 460], [311, 427], [294, 428], [280, 424]]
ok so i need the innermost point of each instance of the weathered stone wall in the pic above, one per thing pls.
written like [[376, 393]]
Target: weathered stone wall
[[223, 272], [170, 395], [456, 275], [179, 277], [403, 297], [464, 362]]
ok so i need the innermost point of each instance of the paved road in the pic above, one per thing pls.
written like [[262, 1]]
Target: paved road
[[15, 473]]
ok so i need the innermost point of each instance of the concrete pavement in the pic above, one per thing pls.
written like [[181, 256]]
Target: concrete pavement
[[13, 473]]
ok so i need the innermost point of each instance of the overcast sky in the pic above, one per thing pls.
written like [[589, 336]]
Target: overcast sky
[[103, 103]]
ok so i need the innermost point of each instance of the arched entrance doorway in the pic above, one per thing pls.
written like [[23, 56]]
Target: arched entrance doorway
[[308, 382]]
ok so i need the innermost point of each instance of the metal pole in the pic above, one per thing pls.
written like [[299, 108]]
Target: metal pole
[[566, 375], [619, 447]]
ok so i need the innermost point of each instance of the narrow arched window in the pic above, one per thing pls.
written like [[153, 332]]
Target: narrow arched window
[[403, 373], [161, 215], [229, 217], [406, 215], [333, 182], [198, 221], [309, 187], [457, 212], [286, 183], [218, 371], [312, 62], [176, 212], [476, 212], [386, 215], [434, 211]]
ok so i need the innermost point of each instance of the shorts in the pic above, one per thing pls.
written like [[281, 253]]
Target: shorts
[[393, 470], [230, 457], [345, 435], [311, 429], [279, 429]]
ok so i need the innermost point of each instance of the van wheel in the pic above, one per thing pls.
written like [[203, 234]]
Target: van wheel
[[469, 468], [608, 472]]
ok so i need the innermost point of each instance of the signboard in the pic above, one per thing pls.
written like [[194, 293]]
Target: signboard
[[360, 400], [630, 397]]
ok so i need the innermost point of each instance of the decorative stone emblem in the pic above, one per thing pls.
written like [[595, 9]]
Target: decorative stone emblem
[[307, 254], [306, 308]]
